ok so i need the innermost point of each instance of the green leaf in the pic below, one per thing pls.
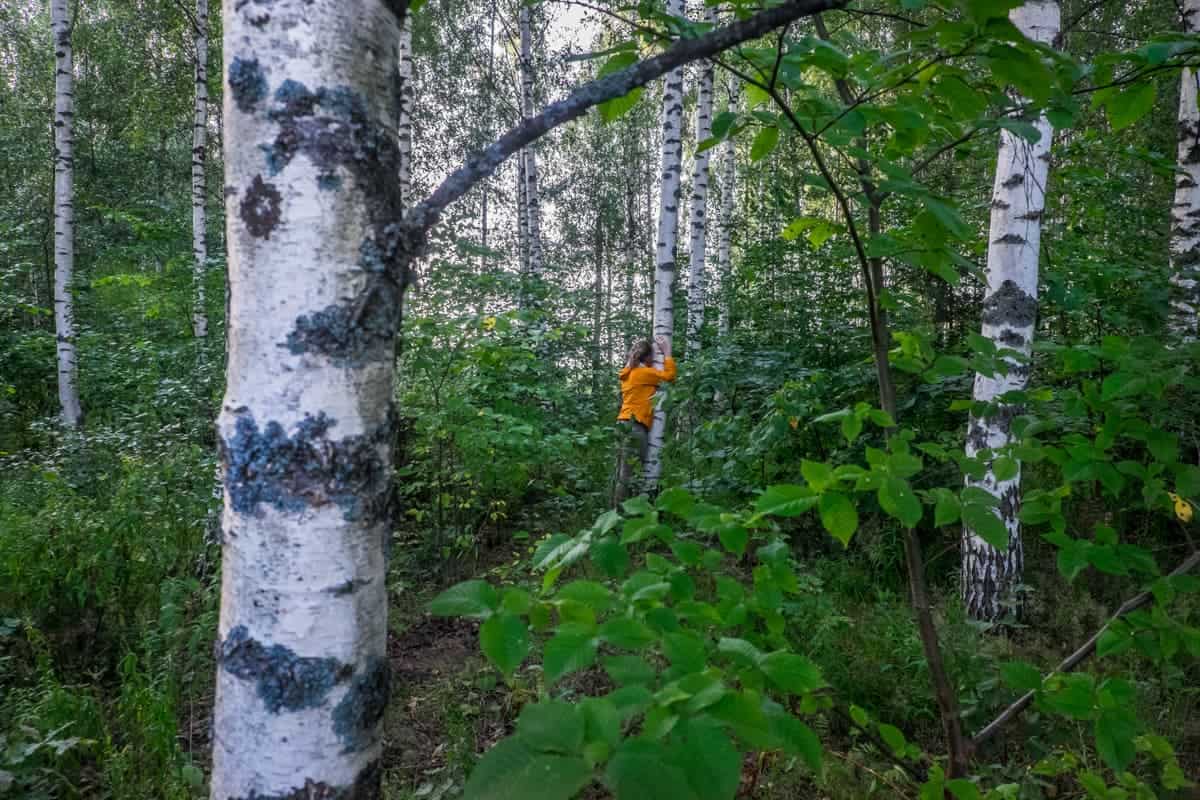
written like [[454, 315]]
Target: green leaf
[[475, 599], [755, 96], [893, 737], [552, 725], [629, 669], [947, 510], [710, 761], [852, 426], [984, 522], [594, 595], [512, 769], [764, 142], [818, 474], [785, 500], [642, 770], [627, 633], [567, 653], [618, 62], [734, 539], [839, 516], [1115, 731], [797, 738], [1130, 105], [897, 500], [504, 639], [610, 557], [740, 650], [1021, 676], [618, 107], [963, 789], [792, 673]]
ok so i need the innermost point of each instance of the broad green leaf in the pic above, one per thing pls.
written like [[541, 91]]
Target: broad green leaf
[[618, 107], [610, 557], [590, 593], [734, 538], [947, 510], [1115, 731], [893, 737], [552, 725], [984, 522], [797, 738], [475, 599], [512, 769], [785, 500], [1128, 106], [710, 761], [963, 789], [627, 633], [618, 62], [504, 639], [839, 516], [740, 650], [566, 653], [818, 474], [629, 669], [791, 672], [1021, 676], [642, 770], [852, 426], [897, 499], [764, 142]]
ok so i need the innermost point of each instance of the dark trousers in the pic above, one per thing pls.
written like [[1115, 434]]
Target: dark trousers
[[633, 442]]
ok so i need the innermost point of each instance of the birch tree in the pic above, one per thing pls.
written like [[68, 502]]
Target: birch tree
[[529, 157], [725, 230], [990, 574], [404, 116], [668, 225], [64, 211], [1185, 211], [319, 256], [697, 223], [199, 161], [306, 425]]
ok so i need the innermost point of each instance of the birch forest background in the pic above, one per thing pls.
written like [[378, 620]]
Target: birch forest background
[[311, 320]]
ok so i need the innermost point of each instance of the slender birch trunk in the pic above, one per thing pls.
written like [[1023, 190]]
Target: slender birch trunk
[[1185, 211], [725, 239], [532, 200], [64, 212], [989, 576], [404, 125], [199, 182], [697, 223], [522, 230], [668, 224], [306, 425]]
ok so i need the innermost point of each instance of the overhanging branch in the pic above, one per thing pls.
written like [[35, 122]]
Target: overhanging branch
[[415, 226]]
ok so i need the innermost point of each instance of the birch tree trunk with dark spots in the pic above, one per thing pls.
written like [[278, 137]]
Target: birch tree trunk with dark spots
[[990, 575], [64, 212], [199, 161], [668, 226], [1184, 312], [532, 200], [725, 231], [306, 425], [404, 116], [697, 222]]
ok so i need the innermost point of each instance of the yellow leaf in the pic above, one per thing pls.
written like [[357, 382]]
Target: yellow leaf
[[1183, 509], [489, 323], [794, 423]]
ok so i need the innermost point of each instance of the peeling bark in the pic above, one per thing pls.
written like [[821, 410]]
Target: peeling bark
[[1184, 313], [668, 225], [64, 213], [989, 575]]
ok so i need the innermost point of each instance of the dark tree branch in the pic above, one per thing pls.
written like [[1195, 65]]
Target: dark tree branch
[[415, 226], [1079, 656]]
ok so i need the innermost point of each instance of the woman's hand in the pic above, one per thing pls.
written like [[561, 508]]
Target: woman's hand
[[663, 345]]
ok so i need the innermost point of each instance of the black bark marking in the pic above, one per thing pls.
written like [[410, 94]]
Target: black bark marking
[[1010, 305], [357, 715], [1010, 238], [307, 470], [1010, 503], [1013, 180], [260, 208], [367, 786], [1010, 338], [284, 680], [247, 83]]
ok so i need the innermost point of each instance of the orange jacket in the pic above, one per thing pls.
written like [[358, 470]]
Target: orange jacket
[[637, 390]]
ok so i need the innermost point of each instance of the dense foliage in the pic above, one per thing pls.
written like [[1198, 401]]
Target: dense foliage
[[749, 628]]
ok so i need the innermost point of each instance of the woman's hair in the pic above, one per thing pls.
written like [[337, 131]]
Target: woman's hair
[[640, 352]]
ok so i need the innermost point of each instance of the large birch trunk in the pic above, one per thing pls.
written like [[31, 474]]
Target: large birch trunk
[[306, 425], [989, 575], [532, 200], [1185, 211], [199, 160], [725, 237], [668, 224], [64, 212], [697, 222]]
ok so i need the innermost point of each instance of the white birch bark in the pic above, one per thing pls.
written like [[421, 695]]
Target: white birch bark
[[697, 222], [989, 575], [306, 425], [668, 224], [1184, 310], [199, 160], [532, 200], [404, 124], [64, 211], [725, 231]]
